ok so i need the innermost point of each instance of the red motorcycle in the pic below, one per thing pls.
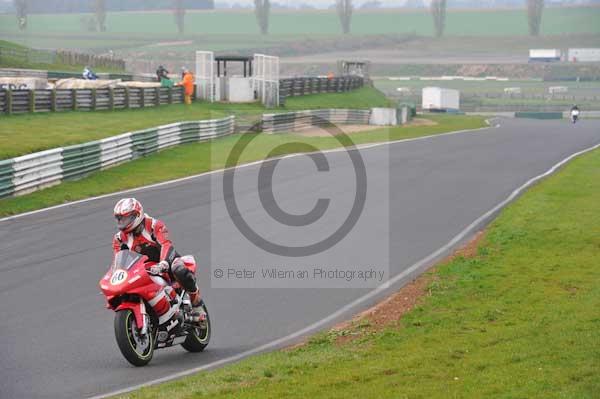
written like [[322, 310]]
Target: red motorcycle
[[151, 312]]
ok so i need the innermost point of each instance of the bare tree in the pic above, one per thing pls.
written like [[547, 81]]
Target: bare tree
[[344, 10], [262, 9], [179, 11], [21, 7], [100, 10], [438, 12], [535, 9]]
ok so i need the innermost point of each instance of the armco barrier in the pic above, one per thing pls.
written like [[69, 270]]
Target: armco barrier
[[583, 114], [539, 115], [33, 172], [293, 121], [6, 175]]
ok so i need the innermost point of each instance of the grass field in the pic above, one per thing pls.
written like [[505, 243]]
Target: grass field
[[190, 159], [474, 94], [517, 320], [25, 133], [459, 22], [490, 86], [225, 30]]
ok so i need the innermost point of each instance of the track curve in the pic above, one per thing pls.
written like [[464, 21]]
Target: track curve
[[57, 336]]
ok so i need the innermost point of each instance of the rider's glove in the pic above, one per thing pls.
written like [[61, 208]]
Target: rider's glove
[[159, 268]]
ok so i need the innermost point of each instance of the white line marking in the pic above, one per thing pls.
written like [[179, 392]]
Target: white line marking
[[183, 179], [427, 261]]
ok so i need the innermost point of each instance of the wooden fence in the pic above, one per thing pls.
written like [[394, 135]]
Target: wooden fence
[[21, 101], [94, 61], [61, 56]]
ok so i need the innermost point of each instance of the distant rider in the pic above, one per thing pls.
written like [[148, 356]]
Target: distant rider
[[574, 113], [148, 236], [88, 74]]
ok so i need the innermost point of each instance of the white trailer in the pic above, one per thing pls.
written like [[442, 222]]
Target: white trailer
[[544, 55], [439, 99], [404, 90], [584, 54], [512, 90], [557, 89]]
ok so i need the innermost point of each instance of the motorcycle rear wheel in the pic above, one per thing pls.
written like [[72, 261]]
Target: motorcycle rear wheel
[[136, 348], [198, 338]]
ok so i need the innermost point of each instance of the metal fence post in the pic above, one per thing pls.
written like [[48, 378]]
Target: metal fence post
[[170, 94], [142, 98], [157, 99]]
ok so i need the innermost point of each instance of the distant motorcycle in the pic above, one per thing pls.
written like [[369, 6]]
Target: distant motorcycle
[[131, 291], [574, 115]]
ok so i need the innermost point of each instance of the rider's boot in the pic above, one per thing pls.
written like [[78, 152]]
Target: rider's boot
[[188, 281], [198, 315]]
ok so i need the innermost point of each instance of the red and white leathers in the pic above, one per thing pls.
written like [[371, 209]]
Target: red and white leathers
[[151, 238]]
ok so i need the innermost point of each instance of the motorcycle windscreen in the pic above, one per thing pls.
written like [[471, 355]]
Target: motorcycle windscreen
[[125, 259]]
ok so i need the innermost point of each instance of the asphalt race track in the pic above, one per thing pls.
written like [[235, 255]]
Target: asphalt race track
[[57, 337]]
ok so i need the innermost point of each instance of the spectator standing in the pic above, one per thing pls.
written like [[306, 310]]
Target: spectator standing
[[188, 85]]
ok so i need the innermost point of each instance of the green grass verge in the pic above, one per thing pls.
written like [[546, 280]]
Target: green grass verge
[[519, 320], [366, 97], [196, 158], [27, 133]]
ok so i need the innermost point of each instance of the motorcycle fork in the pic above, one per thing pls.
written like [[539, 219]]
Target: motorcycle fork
[[144, 314]]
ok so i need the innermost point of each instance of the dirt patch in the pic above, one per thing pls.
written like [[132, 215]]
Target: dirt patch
[[469, 250], [391, 309], [316, 131], [321, 132], [385, 313], [178, 43], [421, 122]]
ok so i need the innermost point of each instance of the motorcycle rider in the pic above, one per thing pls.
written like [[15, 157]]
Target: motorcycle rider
[[88, 74], [574, 113], [145, 235]]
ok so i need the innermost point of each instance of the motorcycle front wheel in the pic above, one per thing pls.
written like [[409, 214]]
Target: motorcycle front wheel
[[137, 348], [198, 337]]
